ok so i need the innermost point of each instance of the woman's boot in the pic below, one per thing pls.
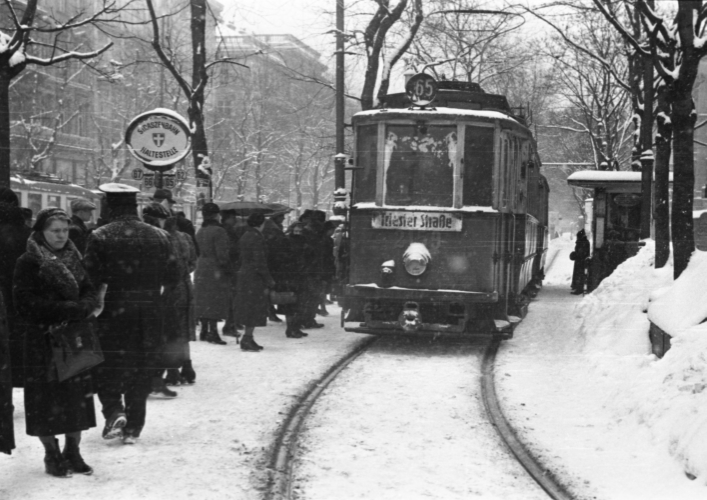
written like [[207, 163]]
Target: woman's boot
[[54, 462], [291, 331], [73, 456], [212, 336], [188, 373]]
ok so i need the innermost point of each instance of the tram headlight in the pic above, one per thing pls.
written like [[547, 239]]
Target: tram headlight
[[416, 259]]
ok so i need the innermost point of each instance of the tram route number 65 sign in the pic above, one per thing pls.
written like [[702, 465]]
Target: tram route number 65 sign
[[421, 89]]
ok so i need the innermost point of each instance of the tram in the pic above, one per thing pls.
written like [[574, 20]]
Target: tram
[[43, 191], [46, 191], [447, 229]]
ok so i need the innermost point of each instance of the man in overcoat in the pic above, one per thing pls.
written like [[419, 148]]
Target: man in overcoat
[[7, 432], [13, 243], [81, 213], [133, 259]]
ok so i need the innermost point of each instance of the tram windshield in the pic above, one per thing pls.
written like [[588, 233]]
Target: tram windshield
[[419, 164]]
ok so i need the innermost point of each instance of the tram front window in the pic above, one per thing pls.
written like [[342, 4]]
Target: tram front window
[[419, 164]]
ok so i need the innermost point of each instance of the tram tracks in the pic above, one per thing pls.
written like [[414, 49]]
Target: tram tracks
[[284, 452], [545, 478]]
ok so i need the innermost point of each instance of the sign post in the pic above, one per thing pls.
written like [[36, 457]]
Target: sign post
[[159, 139]]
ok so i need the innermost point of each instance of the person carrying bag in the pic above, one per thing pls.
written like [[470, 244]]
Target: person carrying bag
[[56, 303]]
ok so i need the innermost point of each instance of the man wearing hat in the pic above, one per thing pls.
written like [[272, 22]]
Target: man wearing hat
[[213, 277], [184, 225], [81, 213], [134, 260]]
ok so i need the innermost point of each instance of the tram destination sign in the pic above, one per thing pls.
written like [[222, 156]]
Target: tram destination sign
[[159, 139], [417, 221]]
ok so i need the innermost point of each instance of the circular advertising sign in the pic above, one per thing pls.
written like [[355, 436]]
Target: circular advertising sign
[[159, 139], [421, 89]]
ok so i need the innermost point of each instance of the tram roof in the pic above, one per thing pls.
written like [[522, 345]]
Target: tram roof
[[440, 113], [51, 187], [592, 179]]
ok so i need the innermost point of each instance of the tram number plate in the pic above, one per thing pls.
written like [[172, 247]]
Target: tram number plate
[[417, 221]]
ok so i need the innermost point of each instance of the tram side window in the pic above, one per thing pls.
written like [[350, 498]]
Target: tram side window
[[53, 201], [478, 166], [419, 163], [366, 161]]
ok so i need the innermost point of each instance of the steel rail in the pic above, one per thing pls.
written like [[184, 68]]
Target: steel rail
[[545, 478], [280, 481]]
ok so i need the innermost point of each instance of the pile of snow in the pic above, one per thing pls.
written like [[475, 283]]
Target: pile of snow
[[665, 396]]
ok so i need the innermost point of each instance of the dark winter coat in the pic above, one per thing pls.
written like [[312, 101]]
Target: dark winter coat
[[301, 275], [7, 432], [187, 227], [277, 247], [180, 326], [580, 255], [51, 287], [252, 281], [78, 233], [13, 243], [134, 260], [214, 272], [234, 235]]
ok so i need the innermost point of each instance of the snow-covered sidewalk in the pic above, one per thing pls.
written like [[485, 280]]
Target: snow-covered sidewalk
[[573, 381], [208, 443]]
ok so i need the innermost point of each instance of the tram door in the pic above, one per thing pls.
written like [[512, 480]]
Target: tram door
[[505, 239]]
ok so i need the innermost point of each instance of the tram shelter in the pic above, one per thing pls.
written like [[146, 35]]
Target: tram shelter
[[615, 219]]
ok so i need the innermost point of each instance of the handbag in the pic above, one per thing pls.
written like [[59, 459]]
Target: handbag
[[74, 349], [282, 298], [573, 256]]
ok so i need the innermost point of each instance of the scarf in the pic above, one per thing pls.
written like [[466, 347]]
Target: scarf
[[60, 270]]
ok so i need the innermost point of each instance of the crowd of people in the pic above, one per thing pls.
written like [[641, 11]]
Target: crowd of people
[[129, 279]]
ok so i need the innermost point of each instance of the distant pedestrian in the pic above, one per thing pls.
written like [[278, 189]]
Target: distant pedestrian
[[231, 223], [28, 215], [81, 213], [213, 275], [52, 286], [579, 256], [178, 301], [164, 196], [276, 247], [299, 254], [133, 259], [13, 243], [253, 282]]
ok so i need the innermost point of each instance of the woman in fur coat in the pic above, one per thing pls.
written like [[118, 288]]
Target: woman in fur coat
[[51, 286]]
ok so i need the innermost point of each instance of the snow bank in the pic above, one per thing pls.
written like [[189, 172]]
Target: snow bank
[[684, 303], [665, 396]]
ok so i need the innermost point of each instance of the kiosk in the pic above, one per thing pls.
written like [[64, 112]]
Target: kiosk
[[615, 219]]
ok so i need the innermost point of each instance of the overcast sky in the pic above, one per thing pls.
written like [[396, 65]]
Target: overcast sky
[[306, 19]]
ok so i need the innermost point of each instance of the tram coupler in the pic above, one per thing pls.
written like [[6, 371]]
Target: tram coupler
[[410, 319]]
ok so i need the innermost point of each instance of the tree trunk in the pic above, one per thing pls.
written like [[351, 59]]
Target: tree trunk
[[646, 145], [198, 85], [663, 141], [683, 182], [4, 129]]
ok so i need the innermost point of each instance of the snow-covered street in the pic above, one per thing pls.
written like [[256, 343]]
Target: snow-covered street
[[577, 381], [406, 420]]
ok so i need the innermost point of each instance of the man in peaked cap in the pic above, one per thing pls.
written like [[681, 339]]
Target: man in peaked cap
[[134, 260], [81, 213]]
